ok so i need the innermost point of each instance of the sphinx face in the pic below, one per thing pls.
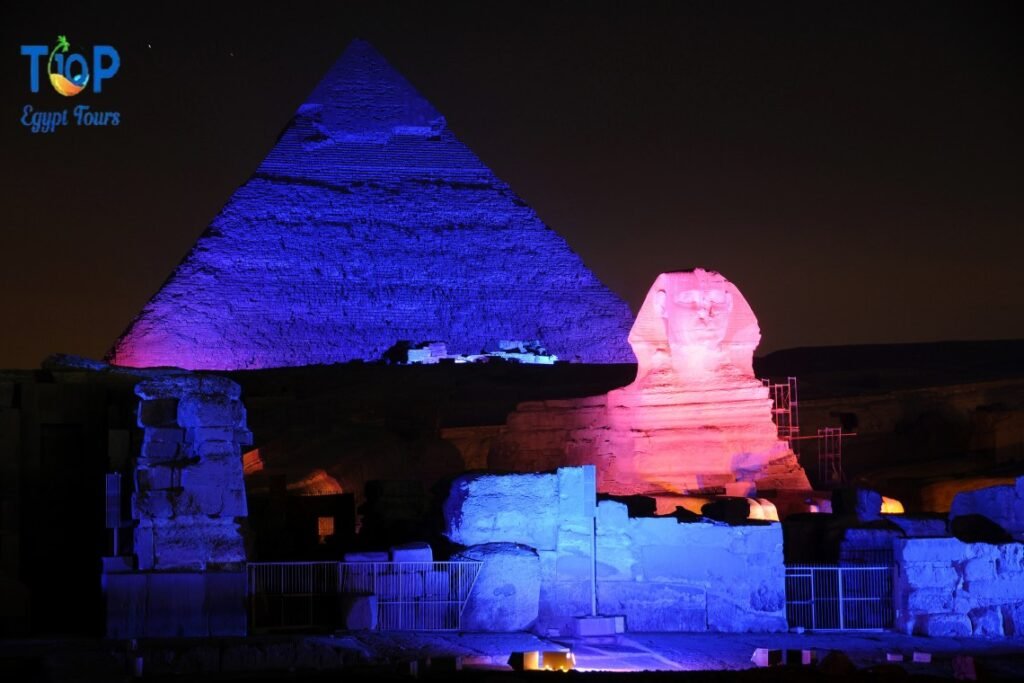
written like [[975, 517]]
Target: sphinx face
[[696, 317]]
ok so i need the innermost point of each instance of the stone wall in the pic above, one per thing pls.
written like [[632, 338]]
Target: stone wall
[[188, 507], [1003, 506], [945, 587], [662, 575], [189, 496]]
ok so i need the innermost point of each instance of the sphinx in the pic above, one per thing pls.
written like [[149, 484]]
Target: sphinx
[[694, 421]]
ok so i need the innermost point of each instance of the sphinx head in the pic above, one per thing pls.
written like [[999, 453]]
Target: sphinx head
[[694, 323], [696, 311]]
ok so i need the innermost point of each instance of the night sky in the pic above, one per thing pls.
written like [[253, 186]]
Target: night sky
[[855, 168]]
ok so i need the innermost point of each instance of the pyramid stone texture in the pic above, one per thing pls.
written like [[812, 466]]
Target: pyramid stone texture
[[370, 223]]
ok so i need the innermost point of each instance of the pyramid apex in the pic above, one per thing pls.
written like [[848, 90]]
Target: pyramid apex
[[363, 97]]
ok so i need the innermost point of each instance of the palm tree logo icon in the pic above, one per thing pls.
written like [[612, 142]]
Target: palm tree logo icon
[[59, 79]]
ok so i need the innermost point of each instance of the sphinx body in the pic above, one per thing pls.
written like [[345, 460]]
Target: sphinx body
[[694, 420]]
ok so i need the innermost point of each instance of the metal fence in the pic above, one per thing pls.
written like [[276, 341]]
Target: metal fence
[[839, 597], [410, 596]]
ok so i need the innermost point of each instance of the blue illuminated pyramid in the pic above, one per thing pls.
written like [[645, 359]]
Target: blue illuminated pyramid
[[369, 223]]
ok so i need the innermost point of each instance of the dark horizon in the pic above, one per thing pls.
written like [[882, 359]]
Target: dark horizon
[[854, 170]]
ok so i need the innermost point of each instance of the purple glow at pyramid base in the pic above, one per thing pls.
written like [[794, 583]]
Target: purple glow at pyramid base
[[368, 224]]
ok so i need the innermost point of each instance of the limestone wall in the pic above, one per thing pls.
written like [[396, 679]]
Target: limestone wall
[[187, 577], [189, 496], [661, 574], [945, 587]]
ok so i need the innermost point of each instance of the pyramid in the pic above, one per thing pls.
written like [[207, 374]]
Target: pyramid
[[369, 223]]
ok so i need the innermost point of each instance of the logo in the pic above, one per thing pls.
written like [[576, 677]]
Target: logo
[[70, 73]]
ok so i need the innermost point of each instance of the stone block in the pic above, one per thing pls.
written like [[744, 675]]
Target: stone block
[[215, 449], [979, 570], [919, 526], [400, 585], [513, 508], [655, 607], [506, 596], [1013, 619], [116, 565], [177, 383], [156, 477], [612, 517], [930, 600], [1010, 558], [934, 550], [561, 601], [930, 575], [161, 412], [586, 627], [866, 540], [243, 437], [572, 568], [1001, 505], [768, 596], [987, 622], [946, 625], [235, 503], [615, 560], [159, 451], [192, 543], [367, 556], [153, 504], [196, 435], [672, 563], [577, 495], [199, 410], [168, 434], [986, 551], [359, 612], [728, 615], [1001, 590], [226, 471], [142, 536], [575, 541], [437, 584], [201, 500], [412, 552]]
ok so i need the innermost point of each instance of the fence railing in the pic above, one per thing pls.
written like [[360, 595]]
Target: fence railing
[[839, 597], [410, 596]]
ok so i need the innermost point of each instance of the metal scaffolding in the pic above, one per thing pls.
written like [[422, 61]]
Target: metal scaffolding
[[830, 456], [785, 411]]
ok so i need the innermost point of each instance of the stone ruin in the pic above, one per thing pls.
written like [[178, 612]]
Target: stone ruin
[[188, 507], [369, 222], [533, 534], [695, 420], [513, 351]]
